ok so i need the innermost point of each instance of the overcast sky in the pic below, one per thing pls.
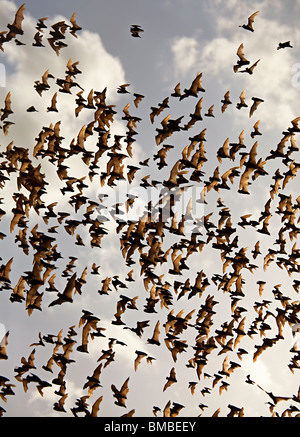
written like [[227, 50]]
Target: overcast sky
[[181, 38]]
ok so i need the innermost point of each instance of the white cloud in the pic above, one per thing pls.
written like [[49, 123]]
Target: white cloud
[[185, 52], [30, 63], [273, 77], [26, 64], [216, 57]]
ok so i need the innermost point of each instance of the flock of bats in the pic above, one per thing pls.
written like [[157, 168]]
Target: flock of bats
[[143, 242]]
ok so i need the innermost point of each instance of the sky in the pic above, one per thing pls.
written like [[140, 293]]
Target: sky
[[180, 39]]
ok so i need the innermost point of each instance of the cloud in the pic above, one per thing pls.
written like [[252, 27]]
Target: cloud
[[87, 47], [185, 52], [30, 64], [273, 77], [26, 64], [216, 57]]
